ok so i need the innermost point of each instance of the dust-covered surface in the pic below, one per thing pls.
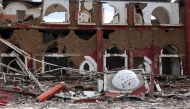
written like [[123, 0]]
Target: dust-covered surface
[[175, 93], [157, 103], [23, 102]]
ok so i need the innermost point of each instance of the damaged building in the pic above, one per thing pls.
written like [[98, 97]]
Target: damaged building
[[152, 35], [84, 41]]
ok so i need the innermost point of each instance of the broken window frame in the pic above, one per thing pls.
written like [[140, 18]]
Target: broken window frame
[[18, 12], [172, 12], [115, 55], [120, 14], [163, 9], [7, 55], [50, 55], [67, 14], [103, 15], [146, 61], [169, 55]]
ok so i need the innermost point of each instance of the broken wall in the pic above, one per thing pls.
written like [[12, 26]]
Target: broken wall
[[73, 8], [162, 10], [182, 11], [130, 14], [11, 11], [32, 40], [144, 38], [95, 11], [119, 12], [51, 6], [137, 39], [146, 43]]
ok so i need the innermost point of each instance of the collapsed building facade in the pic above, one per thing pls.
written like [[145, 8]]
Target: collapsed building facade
[[84, 41]]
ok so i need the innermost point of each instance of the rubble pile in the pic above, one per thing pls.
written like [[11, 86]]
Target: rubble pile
[[174, 94]]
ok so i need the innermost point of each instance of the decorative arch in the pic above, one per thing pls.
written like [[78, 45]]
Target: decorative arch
[[91, 62], [115, 58], [170, 49], [51, 6], [17, 6], [162, 15], [7, 49], [54, 46], [54, 8], [116, 46], [170, 61], [170, 10]]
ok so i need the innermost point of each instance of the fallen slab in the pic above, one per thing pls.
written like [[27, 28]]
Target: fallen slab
[[3, 103], [51, 92]]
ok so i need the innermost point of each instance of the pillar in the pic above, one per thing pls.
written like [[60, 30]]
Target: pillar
[[29, 61], [187, 4], [130, 15], [99, 50], [153, 51]]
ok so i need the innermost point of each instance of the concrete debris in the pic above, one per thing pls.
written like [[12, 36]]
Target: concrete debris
[[103, 100], [3, 103], [51, 92], [187, 94], [71, 95], [114, 95], [89, 93], [87, 100], [157, 87]]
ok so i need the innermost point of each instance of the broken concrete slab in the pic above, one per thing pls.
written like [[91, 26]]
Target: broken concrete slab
[[51, 92], [89, 93], [3, 103]]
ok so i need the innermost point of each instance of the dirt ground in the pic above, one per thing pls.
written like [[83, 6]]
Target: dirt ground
[[156, 103]]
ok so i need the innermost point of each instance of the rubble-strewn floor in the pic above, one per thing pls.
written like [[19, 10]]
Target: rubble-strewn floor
[[158, 104], [174, 94]]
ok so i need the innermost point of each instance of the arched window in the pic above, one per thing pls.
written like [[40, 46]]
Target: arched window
[[86, 67], [56, 13], [170, 49], [171, 63], [51, 49], [110, 14], [55, 59], [10, 60], [161, 16], [116, 61]]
